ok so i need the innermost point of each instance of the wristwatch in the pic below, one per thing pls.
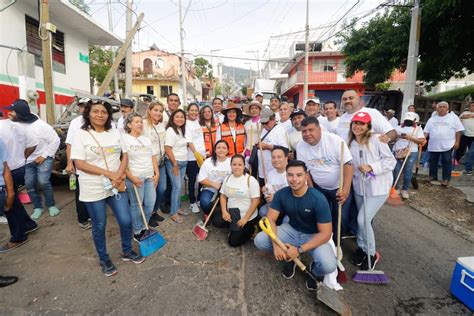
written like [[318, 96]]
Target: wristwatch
[[300, 250]]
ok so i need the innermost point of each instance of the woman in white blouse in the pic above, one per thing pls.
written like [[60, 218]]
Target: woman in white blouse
[[154, 129], [373, 164], [142, 172], [176, 148], [213, 171], [101, 161], [240, 196]]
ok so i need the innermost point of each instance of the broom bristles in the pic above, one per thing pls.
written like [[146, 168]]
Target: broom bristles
[[341, 276], [200, 232], [151, 242], [370, 277], [393, 198]]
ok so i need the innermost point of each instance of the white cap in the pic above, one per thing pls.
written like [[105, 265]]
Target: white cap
[[315, 100], [411, 116], [258, 94]]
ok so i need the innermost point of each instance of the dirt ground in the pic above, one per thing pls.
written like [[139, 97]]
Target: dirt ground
[[448, 203]]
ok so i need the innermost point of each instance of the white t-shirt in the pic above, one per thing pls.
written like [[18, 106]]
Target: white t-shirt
[[86, 148], [287, 126], [403, 143], [215, 173], [294, 138], [74, 126], [16, 140], [46, 137], [194, 135], [442, 131], [322, 159], [240, 192], [251, 132], [178, 144], [156, 134], [394, 122], [277, 136], [120, 124], [140, 152], [468, 123], [330, 125], [380, 125], [276, 181]]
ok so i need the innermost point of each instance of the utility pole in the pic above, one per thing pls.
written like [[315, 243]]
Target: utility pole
[[128, 58], [412, 59], [306, 53], [111, 29], [45, 34], [183, 64]]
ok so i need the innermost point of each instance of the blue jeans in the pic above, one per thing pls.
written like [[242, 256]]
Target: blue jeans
[[161, 188], [407, 171], [372, 206], [97, 212], [40, 174], [330, 196], [176, 184], [324, 259], [469, 159], [446, 164], [147, 196], [205, 199], [192, 170]]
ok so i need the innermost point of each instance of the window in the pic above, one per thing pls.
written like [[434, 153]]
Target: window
[[324, 65], [149, 90], [33, 44], [147, 66], [165, 91]]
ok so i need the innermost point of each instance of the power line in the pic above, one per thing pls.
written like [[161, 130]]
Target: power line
[[240, 17]]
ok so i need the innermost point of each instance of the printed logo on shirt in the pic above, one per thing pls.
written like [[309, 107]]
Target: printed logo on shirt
[[234, 192], [307, 210], [108, 150], [217, 175], [320, 162], [140, 149], [441, 123]]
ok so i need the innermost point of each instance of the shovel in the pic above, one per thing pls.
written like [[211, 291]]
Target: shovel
[[325, 295], [151, 241], [200, 229]]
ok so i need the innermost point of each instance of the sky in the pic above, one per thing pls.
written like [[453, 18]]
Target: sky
[[232, 28]]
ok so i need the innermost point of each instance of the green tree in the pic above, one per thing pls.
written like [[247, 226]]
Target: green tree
[[202, 67], [243, 89], [380, 45], [81, 5], [100, 61]]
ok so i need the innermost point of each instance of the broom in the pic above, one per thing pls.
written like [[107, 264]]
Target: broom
[[151, 241], [368, 276], [341, 271], [200, 229]]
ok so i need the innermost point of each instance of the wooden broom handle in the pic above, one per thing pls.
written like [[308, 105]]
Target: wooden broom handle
[[137, 196], [212, 210]]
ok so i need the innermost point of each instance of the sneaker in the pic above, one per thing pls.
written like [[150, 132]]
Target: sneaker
[[85, 225], [435, 182], [37, 212], [108, 268], [357, 257], [134, 257], [445, 183], [404, 194], [12, 245], [311, 284], [373, 261], [53, 211], [153, 222], [194, 208], [32, 229], [289, 270], [3, 220], [467, 173], [138, 237], [157, 216]]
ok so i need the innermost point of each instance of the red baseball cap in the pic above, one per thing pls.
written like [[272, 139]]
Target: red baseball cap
[[363, 117]]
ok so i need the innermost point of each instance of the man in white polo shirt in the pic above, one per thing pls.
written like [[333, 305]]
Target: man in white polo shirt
[[313, 108], [321, 152], [444, 131], [351, 102]]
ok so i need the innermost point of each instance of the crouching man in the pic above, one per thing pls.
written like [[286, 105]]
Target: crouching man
[[309, 228]]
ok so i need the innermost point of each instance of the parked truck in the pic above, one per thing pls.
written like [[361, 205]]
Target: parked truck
[[266, 87]]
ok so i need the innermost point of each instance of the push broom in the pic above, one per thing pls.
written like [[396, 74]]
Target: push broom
[[151, 241], [368, 276], [200, 229], [341, 271]]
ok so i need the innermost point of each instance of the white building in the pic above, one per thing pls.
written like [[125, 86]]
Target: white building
[[21, 73]]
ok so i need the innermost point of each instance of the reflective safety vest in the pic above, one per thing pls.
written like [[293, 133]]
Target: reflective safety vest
[[209, 138], [236, 146]]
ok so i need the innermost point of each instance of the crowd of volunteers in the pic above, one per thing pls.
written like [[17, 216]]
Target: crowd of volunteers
[[294, 165]]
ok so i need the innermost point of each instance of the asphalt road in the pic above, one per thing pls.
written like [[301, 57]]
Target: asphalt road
[[59, 273]]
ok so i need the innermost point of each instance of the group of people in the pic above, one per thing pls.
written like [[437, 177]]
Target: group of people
[[294, 166]]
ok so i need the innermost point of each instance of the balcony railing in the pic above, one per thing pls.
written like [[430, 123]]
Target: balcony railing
[[317, 77]]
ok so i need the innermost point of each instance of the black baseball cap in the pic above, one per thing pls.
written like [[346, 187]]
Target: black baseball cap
[[298, 112], [23, 112], [127, 102]]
